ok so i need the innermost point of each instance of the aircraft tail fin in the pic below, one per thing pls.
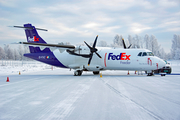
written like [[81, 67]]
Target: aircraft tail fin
[[32, 34], [33, 37]]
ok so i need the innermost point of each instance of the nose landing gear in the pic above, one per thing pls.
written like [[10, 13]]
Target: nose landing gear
[[150, 73]]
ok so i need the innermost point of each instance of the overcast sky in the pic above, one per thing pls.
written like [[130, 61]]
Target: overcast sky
[[76, 21]]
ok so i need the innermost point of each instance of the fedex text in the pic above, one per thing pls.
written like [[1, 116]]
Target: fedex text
[[121, 56], [34, 39]]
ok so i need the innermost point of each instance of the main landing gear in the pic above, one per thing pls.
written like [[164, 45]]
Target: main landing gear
[[96, 72], [79, 72], [150, 73]]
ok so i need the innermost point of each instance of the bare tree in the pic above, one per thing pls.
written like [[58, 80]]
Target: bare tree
[[2, 54], [175, 48], [147, 41], [102, 44], [130, 39], [117, 42]]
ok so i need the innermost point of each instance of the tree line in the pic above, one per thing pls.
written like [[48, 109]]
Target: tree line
[[146, 42], [10, 53]]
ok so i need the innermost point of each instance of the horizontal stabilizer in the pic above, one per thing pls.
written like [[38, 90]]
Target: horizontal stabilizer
[[49, 45], [29, 28]]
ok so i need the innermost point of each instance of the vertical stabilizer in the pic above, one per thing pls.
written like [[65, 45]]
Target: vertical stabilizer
[[33, 37]]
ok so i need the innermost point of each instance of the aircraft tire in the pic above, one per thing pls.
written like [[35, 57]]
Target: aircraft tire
[[78, 73], [150, 74], [96, 72]]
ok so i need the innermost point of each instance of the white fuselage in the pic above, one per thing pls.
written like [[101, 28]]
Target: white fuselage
[[112, 59]]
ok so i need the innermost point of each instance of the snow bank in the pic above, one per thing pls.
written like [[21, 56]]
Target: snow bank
[[14, 67], [175, 65]]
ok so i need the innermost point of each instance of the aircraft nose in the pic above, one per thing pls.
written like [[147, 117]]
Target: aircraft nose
[[161, 63]]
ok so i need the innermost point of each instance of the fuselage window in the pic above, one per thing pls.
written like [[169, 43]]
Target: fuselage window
[[144, 54], [140, 54]]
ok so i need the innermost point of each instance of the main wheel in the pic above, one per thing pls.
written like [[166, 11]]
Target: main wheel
[[96, 72], [78, 73]]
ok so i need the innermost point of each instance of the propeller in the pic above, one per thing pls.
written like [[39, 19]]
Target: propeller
[[93, 50], [125, 44]]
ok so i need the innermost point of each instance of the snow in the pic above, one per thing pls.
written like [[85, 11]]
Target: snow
[[42, 93], [175, 64]]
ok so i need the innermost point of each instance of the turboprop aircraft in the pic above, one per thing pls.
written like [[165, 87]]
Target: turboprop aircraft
[[89, 58]]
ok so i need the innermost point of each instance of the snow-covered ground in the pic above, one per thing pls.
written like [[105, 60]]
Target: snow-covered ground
[[42, 93]]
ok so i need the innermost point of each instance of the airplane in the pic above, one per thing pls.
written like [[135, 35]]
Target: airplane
[[89, 58]]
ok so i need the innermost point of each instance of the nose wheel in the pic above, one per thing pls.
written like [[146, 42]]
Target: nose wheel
[[78, 73], [150, 73]]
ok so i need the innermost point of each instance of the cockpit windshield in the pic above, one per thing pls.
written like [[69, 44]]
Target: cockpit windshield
[[150, 54], [145, 54], [140, 54]]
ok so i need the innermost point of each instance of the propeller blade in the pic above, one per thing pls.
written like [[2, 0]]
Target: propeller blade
[[88, 45], [94, 45], [124, 43], [129, 46], [98, 55], [90, 59]]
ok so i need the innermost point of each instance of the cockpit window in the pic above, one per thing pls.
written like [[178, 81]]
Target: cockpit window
[[144, 54], [140, 54], [150, 54]]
